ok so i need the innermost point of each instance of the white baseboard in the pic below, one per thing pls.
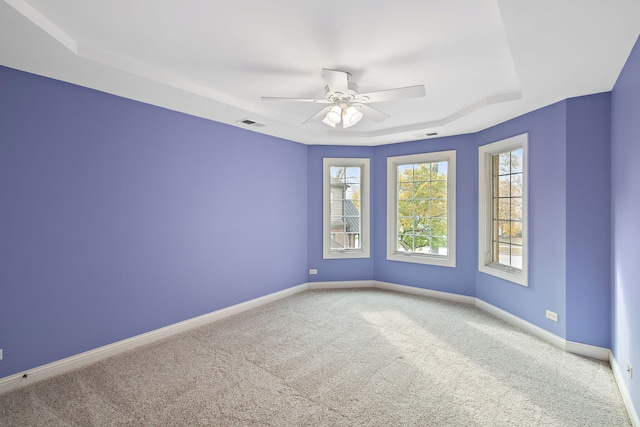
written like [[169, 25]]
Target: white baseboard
[[73, 362], [424, 292], [624, 392], [592, 351], [341, 285], [543, 334]]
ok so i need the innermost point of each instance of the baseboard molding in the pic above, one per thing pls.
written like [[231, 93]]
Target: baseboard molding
[[624, 392], [348, 284], [543, 334], [79, 360], [592, 351], [424, 292]]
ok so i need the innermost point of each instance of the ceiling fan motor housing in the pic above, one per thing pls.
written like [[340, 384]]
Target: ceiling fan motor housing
[[350, 96]]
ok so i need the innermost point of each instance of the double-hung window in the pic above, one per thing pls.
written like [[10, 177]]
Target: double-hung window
[[346, 208], [503, 239], [421, 204]]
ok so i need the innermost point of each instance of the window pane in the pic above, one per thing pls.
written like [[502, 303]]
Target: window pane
[[504, 186], [422, 190], [405, 243], [516, 209], [504, 208], [422, 226], [516, 232], [422, 172], [405, 207], [439, 208], [439, 227], [504, 231], [405, 191], [439, 171], [516, 161], [439, 245], [422, 208], [439, 189], [504, 254], [405, 225], [352, 175], [405, 173], [504, 163], [516, 185]]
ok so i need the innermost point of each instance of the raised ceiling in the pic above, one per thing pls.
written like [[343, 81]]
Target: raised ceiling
[[481, 61]]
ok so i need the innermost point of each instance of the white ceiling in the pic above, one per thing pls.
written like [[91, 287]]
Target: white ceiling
[[481, 61]]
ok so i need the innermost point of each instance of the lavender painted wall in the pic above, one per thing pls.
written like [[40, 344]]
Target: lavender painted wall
[[459, 279], [625, 191], [547, 221], [118, 218], [588, 220], [332, 269]]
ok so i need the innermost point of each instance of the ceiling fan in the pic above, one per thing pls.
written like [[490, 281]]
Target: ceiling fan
[[347, 105]]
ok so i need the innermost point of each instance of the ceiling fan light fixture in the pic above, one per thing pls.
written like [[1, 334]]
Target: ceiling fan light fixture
[[333, 117], [351, 116], [327, 122]]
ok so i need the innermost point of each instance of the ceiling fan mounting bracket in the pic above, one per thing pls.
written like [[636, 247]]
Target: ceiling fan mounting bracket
[[335, 96]]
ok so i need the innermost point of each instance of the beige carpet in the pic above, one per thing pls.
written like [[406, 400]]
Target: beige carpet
[[334, 358]]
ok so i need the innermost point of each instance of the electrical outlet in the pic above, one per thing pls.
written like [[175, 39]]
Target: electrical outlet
[[630, 370], [0, 354], [552, 315], [313, 271]]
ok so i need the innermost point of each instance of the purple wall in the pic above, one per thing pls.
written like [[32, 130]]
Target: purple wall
[[589, 220], [625, 190], [569, 152], [547, 221], [118, 218], [459, 279], [332, 269]]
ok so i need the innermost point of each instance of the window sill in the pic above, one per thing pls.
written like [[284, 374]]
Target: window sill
[[346, 254], [442, 261], [511, 275]]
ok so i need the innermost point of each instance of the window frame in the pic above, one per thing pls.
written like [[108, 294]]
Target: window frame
[[365, 230], [392, 208], [485, 212]]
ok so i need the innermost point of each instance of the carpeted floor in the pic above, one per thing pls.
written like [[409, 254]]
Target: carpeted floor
[[357, 357]]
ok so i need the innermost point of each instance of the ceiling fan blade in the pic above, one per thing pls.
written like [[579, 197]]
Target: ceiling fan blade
[[312, 100], [318, 116], [392, 94], [372, 113], [338, 81]]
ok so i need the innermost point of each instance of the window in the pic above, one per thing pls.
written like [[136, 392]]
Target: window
[[421, 201], [503, 209], [346, 208]]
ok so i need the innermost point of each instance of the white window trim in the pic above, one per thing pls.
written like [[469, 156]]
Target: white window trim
[[520, 277], [392, 253], [365, 232]]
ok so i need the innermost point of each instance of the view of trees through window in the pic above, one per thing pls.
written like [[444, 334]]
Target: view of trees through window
[[422, 208], [345, 201], [507, 196]]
